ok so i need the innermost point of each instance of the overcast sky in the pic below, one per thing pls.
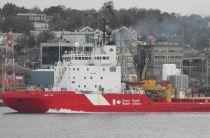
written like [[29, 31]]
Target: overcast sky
[[184, 7]]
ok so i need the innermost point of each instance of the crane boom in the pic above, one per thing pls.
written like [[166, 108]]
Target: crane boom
[[143, 75], [108, 6]]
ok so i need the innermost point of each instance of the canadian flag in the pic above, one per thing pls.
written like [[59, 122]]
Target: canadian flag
[[111, 49], [116, 102]]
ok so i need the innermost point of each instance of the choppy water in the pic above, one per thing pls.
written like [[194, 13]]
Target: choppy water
[[105, 125]]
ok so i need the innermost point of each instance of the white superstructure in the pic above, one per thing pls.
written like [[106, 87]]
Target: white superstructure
[[96, 71]]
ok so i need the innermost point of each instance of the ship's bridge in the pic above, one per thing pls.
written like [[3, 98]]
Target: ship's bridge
[[96, 71], [99, 56]]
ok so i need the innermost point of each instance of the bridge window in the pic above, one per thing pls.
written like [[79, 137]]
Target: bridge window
[[112, 69]]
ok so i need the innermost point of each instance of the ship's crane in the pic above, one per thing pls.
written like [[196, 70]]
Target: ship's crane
[[151, 85], [108, 6], [136, 65], [143, 75]]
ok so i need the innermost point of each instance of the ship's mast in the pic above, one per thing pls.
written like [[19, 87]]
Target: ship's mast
[[2, 62], [9, 61], [104, 30], [59, 47]]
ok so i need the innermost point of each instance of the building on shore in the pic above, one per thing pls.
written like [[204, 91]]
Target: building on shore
[[194, 64], [165, 53], [35, 17], [40, 22], [126, 43]]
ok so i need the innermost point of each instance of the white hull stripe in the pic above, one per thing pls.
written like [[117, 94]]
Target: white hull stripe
[[97, 99]]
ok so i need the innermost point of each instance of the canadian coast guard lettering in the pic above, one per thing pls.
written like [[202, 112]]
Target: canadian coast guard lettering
[[126, 102]]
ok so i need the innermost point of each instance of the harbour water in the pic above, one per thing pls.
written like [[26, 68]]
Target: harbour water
[[95, 125]]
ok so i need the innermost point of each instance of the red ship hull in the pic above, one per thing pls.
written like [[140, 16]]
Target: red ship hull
[[41, 102]]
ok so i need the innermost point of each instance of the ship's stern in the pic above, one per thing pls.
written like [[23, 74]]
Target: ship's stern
[[25, 102]]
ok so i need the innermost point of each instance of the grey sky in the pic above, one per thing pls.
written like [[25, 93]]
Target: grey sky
[[201, 7]]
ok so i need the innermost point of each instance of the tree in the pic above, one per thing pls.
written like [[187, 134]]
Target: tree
[[16, 25], [45, 36], [10, 10], [146, 22], [58, 12], [35, 10]]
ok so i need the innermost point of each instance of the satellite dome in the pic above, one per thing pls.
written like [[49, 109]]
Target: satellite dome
[[76, 44]]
